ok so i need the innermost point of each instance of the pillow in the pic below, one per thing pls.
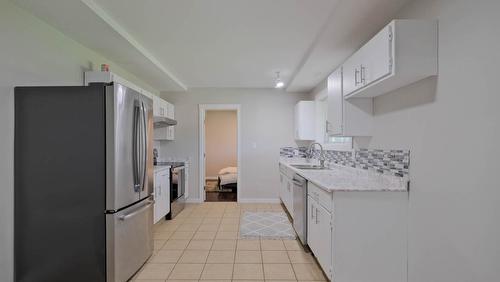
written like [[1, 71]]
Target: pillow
[[228, 170]]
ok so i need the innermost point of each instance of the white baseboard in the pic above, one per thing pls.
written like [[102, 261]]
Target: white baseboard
[[260, 200], [193, 200], [244, 200]]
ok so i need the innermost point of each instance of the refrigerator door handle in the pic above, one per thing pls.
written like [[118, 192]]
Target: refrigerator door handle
[[135, 148], [140, 152], [136, 212], [144, 146]]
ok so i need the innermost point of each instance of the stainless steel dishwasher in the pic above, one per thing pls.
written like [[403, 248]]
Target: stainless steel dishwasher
[[300, 207]]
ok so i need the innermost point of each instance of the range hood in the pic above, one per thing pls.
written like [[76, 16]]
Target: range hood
[[159, 122]]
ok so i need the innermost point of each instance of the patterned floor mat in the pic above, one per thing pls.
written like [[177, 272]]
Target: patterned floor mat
[[266, 225]]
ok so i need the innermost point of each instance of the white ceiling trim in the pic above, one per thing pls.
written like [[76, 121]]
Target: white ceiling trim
[[120, 30]]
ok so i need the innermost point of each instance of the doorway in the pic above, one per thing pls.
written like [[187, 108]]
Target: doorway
[[219, 153]]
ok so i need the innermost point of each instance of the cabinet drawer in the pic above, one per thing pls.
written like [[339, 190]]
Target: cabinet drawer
[[288, 173], [323, 197]]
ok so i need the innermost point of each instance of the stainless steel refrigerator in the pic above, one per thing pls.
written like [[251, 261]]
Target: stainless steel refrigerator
[[83, 183]]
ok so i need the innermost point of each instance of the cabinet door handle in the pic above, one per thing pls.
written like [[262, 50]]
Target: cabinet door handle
[[317, 221], [356, 77], [312, 211], [362, 75]]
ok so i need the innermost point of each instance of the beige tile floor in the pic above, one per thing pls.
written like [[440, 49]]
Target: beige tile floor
[[202, 243]]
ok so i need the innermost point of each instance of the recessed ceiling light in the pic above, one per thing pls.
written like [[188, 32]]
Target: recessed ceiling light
[[278, 82]]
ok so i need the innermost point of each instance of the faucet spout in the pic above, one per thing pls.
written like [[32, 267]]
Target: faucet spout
[[321, 155]]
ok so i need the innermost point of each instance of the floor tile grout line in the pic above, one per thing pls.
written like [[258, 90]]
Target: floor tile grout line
[[262, 262], [291, 264]]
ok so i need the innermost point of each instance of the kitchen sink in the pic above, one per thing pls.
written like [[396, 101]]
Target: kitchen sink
[[308, 166]]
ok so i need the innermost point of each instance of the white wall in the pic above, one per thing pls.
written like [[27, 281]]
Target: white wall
[[451, 124], [266, 122], [32, 53]]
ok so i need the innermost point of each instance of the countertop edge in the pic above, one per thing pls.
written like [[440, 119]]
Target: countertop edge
[[329, 190]]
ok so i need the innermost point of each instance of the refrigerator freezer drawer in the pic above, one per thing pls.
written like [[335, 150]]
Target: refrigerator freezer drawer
[[129, 240]]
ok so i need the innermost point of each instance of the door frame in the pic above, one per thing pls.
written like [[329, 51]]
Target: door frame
[[203, 108]]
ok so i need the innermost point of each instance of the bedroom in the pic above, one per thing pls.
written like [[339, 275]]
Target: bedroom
[[221, 156]]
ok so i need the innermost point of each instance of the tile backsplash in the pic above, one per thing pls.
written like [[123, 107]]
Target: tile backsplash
[[392, 162], [290, 152]]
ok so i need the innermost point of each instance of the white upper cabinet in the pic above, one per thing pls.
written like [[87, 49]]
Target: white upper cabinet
[[158, 110], [353, 117], [352, 73], [403, 52], [377, 62], [170, 110], [305, 120], [162, 108], [334, 116]]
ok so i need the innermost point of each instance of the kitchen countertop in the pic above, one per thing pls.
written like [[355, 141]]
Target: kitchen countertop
[[161, 167], [342, 178]]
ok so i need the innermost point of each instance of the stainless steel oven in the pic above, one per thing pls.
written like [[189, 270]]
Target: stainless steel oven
[[177, 189]]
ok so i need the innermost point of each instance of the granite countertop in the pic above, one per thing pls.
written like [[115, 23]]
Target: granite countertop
[[342, 178]]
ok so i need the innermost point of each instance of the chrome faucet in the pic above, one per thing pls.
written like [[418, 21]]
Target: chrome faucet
[[321, 155]]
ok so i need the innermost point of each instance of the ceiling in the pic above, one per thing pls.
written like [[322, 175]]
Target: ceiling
[[178, 44]]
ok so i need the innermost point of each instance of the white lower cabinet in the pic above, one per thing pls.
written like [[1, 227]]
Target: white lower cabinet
[[358, 236], [161, 194], [282, 187], [286, 195], [286, 189], [319, 234]]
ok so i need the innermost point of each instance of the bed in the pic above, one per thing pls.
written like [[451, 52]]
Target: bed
[[228, 179]]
